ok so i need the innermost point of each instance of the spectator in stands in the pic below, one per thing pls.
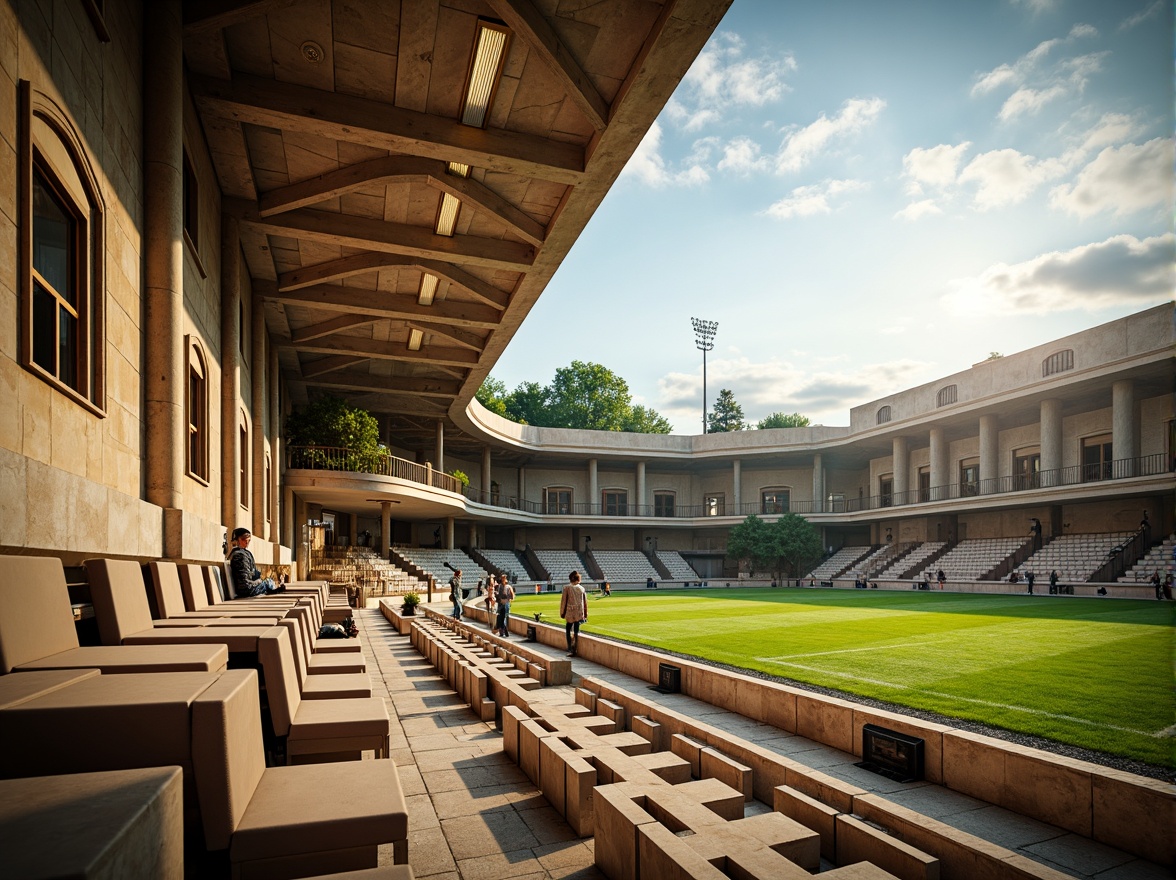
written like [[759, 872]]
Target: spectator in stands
[[1029, 580], [456, 593], [503, 597], [1157, 584], [573, 608], [1013, 576], [941, 577], [1168, 586], [247, 580], [1053, 581], [1035, 531]]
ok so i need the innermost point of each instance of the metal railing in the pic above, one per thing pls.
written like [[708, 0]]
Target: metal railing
[[335, 459]]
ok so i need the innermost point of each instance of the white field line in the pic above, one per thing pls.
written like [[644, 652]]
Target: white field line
[[1159, 734]]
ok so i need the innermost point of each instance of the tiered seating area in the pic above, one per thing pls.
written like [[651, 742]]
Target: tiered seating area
[[970, 559], [838, 562], [875, 562], [433, 559], [509, 561], [678, 567], [916, 557], [364, 567], [561, 563], [625, 566], [1074, 557], [1158, 558]]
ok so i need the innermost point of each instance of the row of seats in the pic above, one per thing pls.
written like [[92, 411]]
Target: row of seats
[[1074, 557], [972, 558], [158, 692], [838, 562], [625, 565], [916, 557], [561, 563], [1160, 558], [365, 567], [508, 561], [434, 560], [676, 565]]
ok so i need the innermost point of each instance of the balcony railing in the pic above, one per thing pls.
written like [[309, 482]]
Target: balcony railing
[[333, 459]]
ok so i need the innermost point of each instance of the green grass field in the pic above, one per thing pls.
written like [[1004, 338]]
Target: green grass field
[[1096, 673]]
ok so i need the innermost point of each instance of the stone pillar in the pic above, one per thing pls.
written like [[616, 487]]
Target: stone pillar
[[521, 492], [818, 483], [257, 383], [1124, 437], [385, 528], [301, 547], [485, 474], [1051, 441], [439, 458], [593, 486], [163, 246], [230, 368], [939, 478], [737, 488], [989, 454], [289, 536], [449, 523], [275, 434], [901, 454], [641, 488]]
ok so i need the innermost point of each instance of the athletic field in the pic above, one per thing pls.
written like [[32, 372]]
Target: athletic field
[[1096, 673]]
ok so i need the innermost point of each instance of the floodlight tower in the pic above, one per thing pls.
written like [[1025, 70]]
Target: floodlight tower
[[704, 338]]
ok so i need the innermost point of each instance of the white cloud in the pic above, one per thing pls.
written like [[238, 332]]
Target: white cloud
[[1123, 180], [802, 145], [1037, 6], [1007, 177], [1112, 128], [915, 210], [1121, 271], [933, 166], [649, 166], [1035, 82], [804, 201], [743, 156], [721, 78], [1143, 15], [1025, 100]]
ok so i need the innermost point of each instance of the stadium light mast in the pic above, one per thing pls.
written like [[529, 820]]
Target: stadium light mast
[[704, 338]]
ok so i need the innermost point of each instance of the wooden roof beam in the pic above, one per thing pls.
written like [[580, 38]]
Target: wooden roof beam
[[332, 325], [322, 366], [524, 19], [463, 338], [380, 350], [382, 304], [201, 16], [339, 117], [356, 381]]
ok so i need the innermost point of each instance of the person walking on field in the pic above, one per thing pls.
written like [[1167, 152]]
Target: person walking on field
[[941, 577], [573, 608]]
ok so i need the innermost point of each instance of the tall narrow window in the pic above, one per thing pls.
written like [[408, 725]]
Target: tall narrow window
[[924, 484], [969, 477], [1096, 458], [714, 505], [559, 500], [1027, 468], [886, 490], [616, 502], [244, 453], [60, 250], [196, 406], [663, 503]]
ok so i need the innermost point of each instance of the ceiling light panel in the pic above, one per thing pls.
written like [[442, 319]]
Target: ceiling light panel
[[485, 70], [447, 215], [415, 338], [428, 289]]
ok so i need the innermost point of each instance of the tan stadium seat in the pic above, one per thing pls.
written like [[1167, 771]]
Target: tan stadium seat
[[169, 602], [324, 686], [287, 821], [311, 624], [37, 629]]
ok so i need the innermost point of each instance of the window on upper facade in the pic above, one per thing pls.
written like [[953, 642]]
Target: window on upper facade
[[886, 490], [616, 502], [1027, 468], [883, 414], [1058, 362], [714, 505], [663, 503], [924, 484], [774, 500], [969, 477], [62, 326], [559, 500], [1097, 458], [196, 407], [946, 395]]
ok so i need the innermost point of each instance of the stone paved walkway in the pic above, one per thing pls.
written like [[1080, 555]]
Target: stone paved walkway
[[474, 815]]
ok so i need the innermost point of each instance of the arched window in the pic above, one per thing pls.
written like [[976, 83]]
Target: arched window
[[196, 410], [62, 294], [1058, 362], [946, 395], [883, 415]]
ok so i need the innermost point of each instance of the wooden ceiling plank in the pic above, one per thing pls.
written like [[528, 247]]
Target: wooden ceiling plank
[[358, 381], [528, 22], [322, 366], [481, 196], [344, 267], [382, 304], [332, 325], [377, 235], [374, 123], [214, 15], [474, 286], [463, 338], [391, 351]]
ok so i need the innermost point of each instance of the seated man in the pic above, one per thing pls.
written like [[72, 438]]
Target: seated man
[[247, 580]]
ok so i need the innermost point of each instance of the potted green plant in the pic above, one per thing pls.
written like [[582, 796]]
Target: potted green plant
[[410, 603]]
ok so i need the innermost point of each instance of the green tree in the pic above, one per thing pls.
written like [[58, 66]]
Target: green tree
[[333, 422], [493, 395], [784, 420], [643, 420], [784, 547], [727, 414], [527, 404], [587, 395]]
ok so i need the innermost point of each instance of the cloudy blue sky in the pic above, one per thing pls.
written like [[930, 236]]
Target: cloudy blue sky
[[867, 196]]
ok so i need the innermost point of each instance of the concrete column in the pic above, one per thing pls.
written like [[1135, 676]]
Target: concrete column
[[737, 489], [939, 477], [900, 451], [640, 488], [275, 434], [1124, 437], [164, 374], [230, 367], [439, 458], [818, 483], [486, 474], [289, 536], [449, 523], [521, 492], [385, 528], [593, 485], [1051, 441], [353, 530], [257, 383], [989, 454], [301, 547]]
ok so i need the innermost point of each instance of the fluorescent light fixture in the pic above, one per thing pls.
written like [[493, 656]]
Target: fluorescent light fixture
[[415, 338], [428, 289], [447, 215], [458, 170], [489, 54]]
